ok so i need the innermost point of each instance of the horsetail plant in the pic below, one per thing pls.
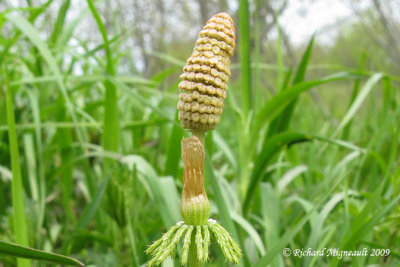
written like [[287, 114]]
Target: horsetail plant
[[202, 92]]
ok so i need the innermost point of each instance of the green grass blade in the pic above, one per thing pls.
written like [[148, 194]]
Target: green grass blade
[[171, 197], [287, 113], [132, 241], [34, 13], [257, 18], [318, 231], [358, 234], [31, 166], [287, 78], [168, 58], [340, 143], [301, 71], [354, 93], [293, 230], [34, 101], [369, 208], [250, 231], [276, 104], [244, 54], [367, 88], [34, 36], [67, 30], [123, 87], [224, 147], [275, 144], [20, 228], [103, 31], [280, 63], [111, 127], [270, 148], [174, 150], [270, 212], [289, 176], [91, 210], [30, 253], [64, 138], [144, 168], [223, 209], [62, 13]]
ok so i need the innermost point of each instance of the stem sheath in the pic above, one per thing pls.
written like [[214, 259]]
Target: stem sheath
[[199, 134]]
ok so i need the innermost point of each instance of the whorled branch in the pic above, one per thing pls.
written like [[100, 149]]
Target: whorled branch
[[197, 238]]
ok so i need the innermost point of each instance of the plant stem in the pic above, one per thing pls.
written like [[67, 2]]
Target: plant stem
[[111, 125], [193, 260], [199, 134], [20, 227], [244, 55]]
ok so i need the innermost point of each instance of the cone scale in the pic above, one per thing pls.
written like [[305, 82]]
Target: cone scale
[[205, 76]]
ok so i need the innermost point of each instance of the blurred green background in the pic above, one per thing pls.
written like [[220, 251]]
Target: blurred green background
[[306, 154]]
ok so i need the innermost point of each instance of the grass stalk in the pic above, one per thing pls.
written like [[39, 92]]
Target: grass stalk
[[132, 241], [354, 93], [244, 53], [20, 228], [111, 129], [30, 253]]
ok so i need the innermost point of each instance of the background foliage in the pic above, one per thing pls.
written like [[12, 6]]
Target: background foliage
[[306, 154]]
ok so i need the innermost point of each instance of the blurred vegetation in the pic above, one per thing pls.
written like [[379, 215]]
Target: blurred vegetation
[[306, 154]]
